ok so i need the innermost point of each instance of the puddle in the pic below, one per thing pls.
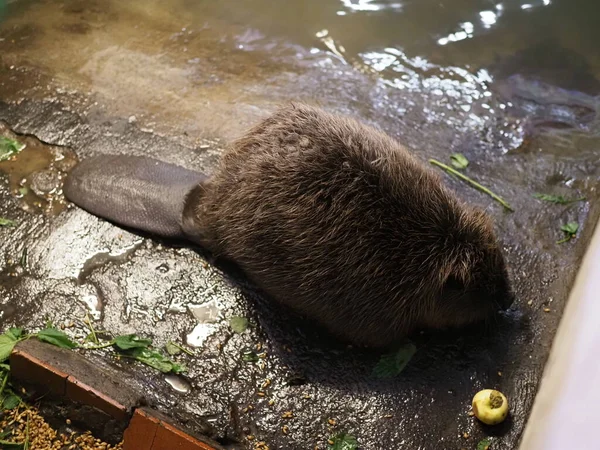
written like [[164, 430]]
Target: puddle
[[94, 304], [99, 259], [36, 173], [207, 315], [200, 334]]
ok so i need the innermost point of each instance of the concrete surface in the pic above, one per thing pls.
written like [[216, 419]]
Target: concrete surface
[[173, 82]]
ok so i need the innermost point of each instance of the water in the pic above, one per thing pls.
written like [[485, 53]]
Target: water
[[513, 85]]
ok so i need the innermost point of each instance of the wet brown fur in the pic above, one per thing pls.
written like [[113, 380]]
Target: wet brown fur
[[340, 222]]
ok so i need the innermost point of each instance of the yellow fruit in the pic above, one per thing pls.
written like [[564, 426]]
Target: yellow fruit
[[490, 406]]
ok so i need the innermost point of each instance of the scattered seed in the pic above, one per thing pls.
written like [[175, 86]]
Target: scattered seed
[[287, 415], [331, 422], [261, 394], [466, 435], [26, 425], [546, 309], [285, 429]]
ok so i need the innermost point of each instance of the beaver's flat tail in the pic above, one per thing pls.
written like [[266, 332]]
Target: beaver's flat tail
[[133, 191]]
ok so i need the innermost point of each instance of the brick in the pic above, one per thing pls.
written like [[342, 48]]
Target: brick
[[78, 391], [170, 438], [141, 431], [66, 372], [152, 430], [28, 368]]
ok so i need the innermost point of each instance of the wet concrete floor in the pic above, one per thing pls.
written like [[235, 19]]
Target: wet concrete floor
[[512, 86]]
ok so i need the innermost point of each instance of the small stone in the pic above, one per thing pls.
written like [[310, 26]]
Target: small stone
[[132, 119]]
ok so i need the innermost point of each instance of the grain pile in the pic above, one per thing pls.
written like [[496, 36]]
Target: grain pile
[[24, 425]]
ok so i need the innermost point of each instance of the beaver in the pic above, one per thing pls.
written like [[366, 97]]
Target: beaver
[[326, 215]]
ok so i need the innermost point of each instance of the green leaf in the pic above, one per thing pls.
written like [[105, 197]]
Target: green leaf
[[7, 344], [9, 148], [23, 260], [570, 229], [55, 337], [4, 367], [459, 161], [172, 349], [175, 349], [6, 445], [4, 434], [129, 341], [559, 199], [24, 190], [11, 401], [154, 359], [7, 222], [342, 441], [249, 356], [238, 324], [16, 333], [484, 444], [392, 364]]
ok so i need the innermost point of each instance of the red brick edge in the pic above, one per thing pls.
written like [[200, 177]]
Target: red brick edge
[[147, 429]]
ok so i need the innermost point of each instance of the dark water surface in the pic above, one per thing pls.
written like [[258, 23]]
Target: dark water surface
[[512, 85]]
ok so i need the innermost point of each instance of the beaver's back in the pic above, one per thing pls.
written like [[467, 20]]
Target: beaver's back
[[335, 219]]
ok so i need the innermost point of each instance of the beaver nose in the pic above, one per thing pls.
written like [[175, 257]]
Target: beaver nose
[[506, 300]]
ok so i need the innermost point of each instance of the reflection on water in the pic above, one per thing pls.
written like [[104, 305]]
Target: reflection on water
[[370, 5], [166, 62]]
